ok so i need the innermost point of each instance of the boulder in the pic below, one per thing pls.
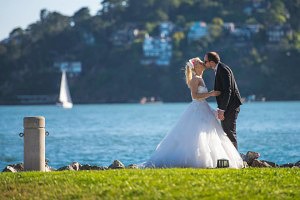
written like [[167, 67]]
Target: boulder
[[259, 163], [98, 167], [246, 164], [94, 167], [117, 165], [76, 166], [86, 167], [49, 169], [272, 164], [14, 168], [251, 156], [47, 161], [290, 165], [132, 166], [68, 168], [9, 169], [19, 167]]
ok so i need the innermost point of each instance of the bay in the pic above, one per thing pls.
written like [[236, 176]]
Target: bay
[[98, 134]]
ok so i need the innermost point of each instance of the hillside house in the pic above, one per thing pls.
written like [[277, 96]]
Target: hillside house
[[197, 31], [157, 51]]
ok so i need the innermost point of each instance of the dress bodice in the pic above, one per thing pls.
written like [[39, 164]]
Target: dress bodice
[[201, 89]]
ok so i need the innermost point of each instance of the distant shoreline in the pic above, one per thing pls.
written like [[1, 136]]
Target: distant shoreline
[[166, 102]]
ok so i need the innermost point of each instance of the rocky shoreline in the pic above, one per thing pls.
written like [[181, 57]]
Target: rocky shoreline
[[250, 160]]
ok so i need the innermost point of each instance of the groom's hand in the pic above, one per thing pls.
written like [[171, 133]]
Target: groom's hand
[[214, 93], [221, 115]]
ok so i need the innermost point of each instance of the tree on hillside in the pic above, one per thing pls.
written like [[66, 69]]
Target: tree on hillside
[[113, 10], [81, 15], [277, 14]]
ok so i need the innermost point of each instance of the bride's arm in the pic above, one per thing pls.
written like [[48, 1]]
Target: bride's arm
[[194, 90]]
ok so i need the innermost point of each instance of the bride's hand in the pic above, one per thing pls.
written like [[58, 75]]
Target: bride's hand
[[214, 93]]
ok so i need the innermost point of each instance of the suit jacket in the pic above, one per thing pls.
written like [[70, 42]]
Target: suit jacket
[[230, 97]]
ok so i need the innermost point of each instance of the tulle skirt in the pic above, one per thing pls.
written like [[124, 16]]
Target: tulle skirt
[[197, 140]]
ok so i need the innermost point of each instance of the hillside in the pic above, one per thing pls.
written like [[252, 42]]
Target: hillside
[[259, 40]]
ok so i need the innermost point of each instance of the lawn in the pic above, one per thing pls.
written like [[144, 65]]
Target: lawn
[[251, 183]]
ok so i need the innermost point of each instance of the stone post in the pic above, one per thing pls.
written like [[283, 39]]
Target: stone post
[[34, 143]]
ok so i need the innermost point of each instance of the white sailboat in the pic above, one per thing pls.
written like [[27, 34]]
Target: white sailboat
[[64, 100]]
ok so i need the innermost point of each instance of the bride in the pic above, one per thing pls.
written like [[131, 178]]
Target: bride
[[197, 140]]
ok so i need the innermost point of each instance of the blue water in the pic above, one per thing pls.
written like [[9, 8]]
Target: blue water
[[99, 134]]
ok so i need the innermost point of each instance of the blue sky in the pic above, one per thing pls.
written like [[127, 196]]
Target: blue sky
[[21, 13]]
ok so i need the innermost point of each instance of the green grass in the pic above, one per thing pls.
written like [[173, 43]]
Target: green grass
[[154, 184]]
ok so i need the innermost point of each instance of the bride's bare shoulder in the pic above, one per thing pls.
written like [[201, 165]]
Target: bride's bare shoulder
[[195, 80]]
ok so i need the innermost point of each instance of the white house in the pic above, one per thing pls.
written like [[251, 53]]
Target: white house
[[254, 28], [157, 51], [276, 33], [242, 34], [197, 31], [125, 35], [229, 26], [165, 29]]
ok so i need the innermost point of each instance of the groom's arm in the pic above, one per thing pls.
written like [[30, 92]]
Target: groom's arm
[[226, 92]]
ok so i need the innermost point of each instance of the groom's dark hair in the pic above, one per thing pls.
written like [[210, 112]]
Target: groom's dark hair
[[213, 56]]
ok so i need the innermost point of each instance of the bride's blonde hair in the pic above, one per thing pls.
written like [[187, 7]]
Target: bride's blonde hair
[[190, 70]]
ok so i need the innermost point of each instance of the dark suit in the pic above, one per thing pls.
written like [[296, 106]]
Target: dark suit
[[229, 100]]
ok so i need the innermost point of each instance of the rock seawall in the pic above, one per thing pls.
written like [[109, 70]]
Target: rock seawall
[[250, 160]]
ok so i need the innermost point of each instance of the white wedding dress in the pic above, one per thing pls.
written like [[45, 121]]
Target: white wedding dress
[[197, 140]]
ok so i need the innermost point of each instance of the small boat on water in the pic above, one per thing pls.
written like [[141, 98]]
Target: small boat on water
[[147, 100], [64, 99]]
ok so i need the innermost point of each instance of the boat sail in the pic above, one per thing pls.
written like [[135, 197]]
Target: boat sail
[[64, 100]]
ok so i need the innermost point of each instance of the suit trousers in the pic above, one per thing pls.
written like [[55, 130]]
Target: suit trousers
[[229, 124]]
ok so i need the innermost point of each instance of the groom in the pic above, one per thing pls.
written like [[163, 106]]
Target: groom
[[230, 100]]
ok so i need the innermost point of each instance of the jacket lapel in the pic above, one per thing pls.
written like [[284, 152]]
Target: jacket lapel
[[219, 66], [217, 76]]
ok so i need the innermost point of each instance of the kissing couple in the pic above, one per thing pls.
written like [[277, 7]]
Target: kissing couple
[[198, 139]]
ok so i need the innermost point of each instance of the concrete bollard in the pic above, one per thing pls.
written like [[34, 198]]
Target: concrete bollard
[[34, 143]]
